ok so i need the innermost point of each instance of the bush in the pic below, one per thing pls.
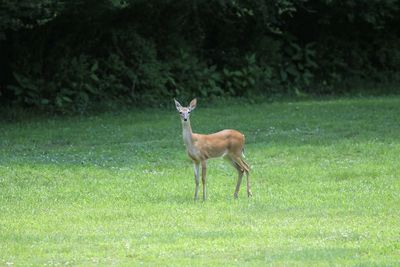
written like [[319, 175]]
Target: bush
[[130, 73], [191, 77], [73, 87]]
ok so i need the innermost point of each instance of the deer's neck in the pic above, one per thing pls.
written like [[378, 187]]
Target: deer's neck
[[187, 134]]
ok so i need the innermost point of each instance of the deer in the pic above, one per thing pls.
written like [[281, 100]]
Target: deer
[[228, 144]]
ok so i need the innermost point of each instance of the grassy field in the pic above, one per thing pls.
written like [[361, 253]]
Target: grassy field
[[117, 188]]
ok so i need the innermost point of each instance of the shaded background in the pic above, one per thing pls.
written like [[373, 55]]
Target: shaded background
[[71, 56]]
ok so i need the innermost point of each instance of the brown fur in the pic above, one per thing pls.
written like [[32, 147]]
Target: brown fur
[[200, 147]]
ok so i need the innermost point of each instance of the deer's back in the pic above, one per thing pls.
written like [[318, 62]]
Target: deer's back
[[220, 143]]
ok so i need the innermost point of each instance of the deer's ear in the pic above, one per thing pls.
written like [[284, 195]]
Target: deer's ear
[[177, 105], [193, 104]]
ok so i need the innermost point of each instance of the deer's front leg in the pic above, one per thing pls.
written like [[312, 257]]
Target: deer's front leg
[[196, 166], [203, 178]]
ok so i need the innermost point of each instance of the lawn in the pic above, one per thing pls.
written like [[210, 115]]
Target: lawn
[[117, 188]]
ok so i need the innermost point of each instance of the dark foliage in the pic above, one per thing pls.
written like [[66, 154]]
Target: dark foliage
[[69, 56]]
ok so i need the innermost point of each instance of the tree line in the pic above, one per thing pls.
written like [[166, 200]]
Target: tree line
[[68, 56]]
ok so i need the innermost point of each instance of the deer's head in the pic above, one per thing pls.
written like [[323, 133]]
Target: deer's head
[[185, 111]]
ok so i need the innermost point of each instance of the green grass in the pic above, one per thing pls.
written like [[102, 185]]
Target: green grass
[[117, 188]]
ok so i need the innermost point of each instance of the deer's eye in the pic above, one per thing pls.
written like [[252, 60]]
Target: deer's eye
[[180, 112]]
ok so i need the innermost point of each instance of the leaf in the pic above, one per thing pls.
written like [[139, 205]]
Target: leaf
[[252, 81], [66, 99], [312, 63], [297, 56], [237, 73], [171, 80], [95, 66], [90, 88], [252, 59], [94, 77], [295, 46], [44, 101], [292, 70], [283, 76], [213, 68]]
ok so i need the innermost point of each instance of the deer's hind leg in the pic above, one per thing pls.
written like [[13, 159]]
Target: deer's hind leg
[[247, 171], [239, 181], [242, 167], [249, 193], [240, 175]]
